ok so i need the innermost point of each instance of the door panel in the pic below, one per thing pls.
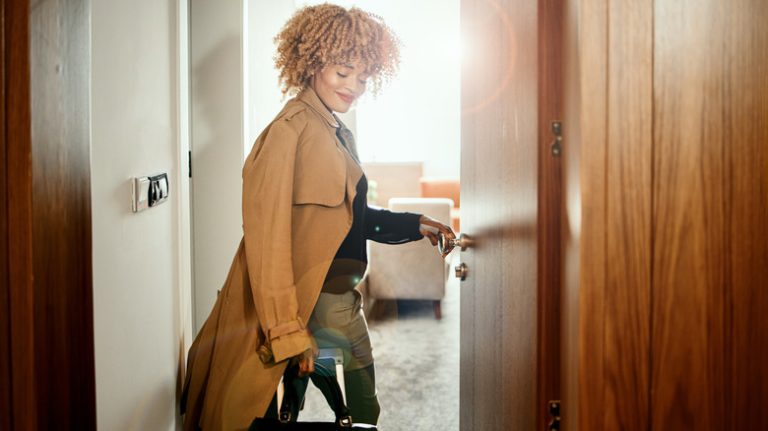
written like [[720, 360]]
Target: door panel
[[499, 207], [589, 306], [615, 156], [710, 211], [674, 192], [628, 219]]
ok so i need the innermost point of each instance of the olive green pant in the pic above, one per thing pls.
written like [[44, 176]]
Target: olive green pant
[[360, 394], [338, 322]]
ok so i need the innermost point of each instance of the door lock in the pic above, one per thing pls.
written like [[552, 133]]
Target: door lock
[[461, 271]]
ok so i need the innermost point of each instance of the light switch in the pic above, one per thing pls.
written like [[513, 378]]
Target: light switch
[[149, 192]]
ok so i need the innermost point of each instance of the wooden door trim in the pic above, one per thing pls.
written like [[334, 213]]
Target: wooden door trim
[[5, 325], [18, 204], [550, 207]]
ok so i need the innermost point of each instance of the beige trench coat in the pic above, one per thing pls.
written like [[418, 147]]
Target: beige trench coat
[[298, 188]]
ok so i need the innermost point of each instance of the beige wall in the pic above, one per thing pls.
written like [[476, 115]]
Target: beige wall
[[217, 100], [265, 19], [234, 96], [141, 296]]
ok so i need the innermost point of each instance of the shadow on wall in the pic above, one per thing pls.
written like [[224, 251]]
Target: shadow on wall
[[216, 184], [212, 91]]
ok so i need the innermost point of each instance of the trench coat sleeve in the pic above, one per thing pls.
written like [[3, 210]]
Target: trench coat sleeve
[[268, 177]]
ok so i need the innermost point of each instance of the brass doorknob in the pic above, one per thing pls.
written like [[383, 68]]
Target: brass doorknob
[[461, 271], [446, 245]]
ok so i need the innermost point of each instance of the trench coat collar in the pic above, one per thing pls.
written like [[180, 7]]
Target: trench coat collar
[[310, 97]]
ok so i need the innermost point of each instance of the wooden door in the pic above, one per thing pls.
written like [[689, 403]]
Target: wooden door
[[511, 207], [709, 291], [610, 171], [673, 260], [18, 392], [46, 313]]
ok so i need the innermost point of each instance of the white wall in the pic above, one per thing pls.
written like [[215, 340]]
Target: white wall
[[217, 103], [141, 296], [423, 102], [418, 116], [264, 21], [235, 94]]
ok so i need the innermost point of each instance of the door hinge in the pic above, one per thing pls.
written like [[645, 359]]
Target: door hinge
[[557, 146], [189, 163], [554, 415]]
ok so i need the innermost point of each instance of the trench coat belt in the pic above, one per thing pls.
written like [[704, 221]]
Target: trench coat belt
[[286, 328]]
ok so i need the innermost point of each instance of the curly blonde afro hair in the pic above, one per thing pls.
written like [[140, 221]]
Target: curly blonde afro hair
[[327, 34]]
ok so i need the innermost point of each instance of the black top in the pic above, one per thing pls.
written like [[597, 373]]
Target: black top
[[376, 224]]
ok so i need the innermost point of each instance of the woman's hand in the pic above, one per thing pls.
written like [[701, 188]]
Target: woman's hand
[[306, 359], [306, 363], [441, 227]]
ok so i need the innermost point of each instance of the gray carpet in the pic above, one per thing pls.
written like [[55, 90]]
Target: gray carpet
[[417, 366]]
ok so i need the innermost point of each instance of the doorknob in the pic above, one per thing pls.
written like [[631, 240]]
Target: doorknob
[[446, 245]]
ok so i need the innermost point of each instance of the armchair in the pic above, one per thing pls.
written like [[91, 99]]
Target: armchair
[[413, 270]]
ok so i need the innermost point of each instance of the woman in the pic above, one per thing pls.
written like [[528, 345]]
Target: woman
[[305, 222]]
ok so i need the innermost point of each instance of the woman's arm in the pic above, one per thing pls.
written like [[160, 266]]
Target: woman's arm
[[396, 228], [391, 227]]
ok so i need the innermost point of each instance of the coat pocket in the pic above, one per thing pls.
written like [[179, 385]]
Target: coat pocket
[[320, 177]]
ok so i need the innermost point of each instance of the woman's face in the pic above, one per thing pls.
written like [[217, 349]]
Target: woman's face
[[339, 85]]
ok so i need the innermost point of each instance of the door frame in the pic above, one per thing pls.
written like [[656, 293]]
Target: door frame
[[47, 323], [551, 208], [18, 407]]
